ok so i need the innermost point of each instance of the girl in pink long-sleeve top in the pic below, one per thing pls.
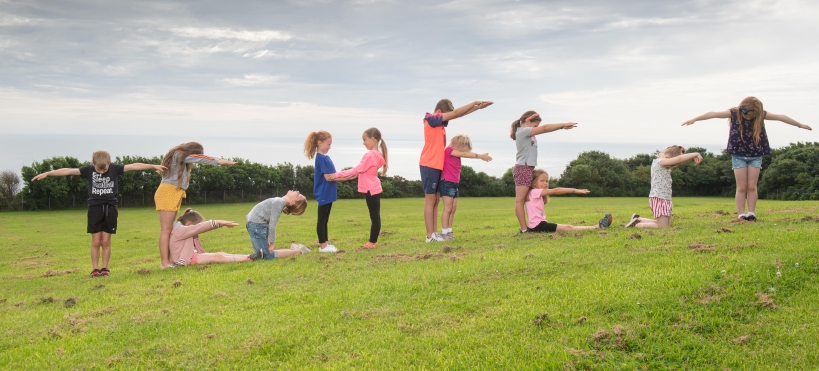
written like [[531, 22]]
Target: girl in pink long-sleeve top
[[368, 182]]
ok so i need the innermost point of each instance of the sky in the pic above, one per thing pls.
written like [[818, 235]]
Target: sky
[[626, 71]]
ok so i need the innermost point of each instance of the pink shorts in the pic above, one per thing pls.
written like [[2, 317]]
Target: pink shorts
[[660, 207], [522, 175]]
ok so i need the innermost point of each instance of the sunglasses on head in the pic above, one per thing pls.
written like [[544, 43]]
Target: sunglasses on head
[[745, 110]]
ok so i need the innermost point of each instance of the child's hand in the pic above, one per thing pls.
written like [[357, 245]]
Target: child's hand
[[582, 191], [226, 162], [569, 125], [271, 247], [160, 168], [40, 176], [806, 127], [528, 119], [689, 122], [226, 223], [484, 104], [485, 157], [697, 158]]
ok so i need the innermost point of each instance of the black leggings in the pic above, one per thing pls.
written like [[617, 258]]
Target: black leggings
[[321, 224], [374, 205]]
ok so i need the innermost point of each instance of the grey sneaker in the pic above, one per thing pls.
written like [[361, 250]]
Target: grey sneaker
[[448, 236], [605, 222], [300, 247], [257, 255]]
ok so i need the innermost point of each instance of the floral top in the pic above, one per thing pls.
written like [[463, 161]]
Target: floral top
[[744, 145], [660, 181]]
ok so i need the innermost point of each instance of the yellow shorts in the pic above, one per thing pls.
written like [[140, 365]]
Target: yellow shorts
[[168, 197]]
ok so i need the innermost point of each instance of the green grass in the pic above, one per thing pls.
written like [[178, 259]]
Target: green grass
[[743, 297]]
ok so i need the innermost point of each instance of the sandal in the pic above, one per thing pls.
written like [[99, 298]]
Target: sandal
[[104, 272], [370, 245], [95, 273]]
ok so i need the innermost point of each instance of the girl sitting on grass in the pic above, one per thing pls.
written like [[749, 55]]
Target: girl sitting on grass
[[538, 196], [659, 199], [186, 248]]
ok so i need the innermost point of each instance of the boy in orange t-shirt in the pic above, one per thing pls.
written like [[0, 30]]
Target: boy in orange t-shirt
[[432, 156]]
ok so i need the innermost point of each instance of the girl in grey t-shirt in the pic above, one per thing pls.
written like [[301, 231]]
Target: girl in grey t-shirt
[[523, 133]]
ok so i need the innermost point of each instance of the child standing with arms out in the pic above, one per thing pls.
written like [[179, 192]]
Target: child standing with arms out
[[747, 143], [103, 185], [325, 188], [262, 220], [459, 146], [368, 182], [432, 156], [523, 133], [186, 248], [538, 196], [659, 199], [175, 180]]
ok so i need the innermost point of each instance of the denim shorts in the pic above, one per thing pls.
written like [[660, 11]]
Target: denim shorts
[[258, 238], [430, 178], [448, 189], [739, 162]]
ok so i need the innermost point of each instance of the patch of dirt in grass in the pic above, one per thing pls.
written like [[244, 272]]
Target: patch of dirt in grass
[[765, 301], [710, 294], [220, 295], [617, 338], [250, 281], [176, 283], [601, 233], [70, 302], [144, 271], [30, 264], [201, 267], [3, 300], [581, 319], [742, 340], [403, 258], [752, 245], [59, 351], [541, 319], [527, 256], [103, 311], [702, 247], [793, 210], [47, 300], [256, 342], [51, 273], [97, 286], [721, 212], [723, 230], [635, 236]]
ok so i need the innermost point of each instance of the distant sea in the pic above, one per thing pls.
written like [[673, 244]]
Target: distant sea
[[18, 150]]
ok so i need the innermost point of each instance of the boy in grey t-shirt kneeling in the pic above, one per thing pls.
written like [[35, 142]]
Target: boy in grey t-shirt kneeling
[[262, 219]]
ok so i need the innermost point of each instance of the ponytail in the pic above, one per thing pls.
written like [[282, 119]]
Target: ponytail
[[517, 123], [311, 143], [386, 158]]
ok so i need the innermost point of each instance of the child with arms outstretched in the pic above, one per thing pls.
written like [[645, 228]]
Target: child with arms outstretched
[[103, 185], [538, 196], [262, 220], [368, 182], [186, 248], [175, 180], [747, 143], [325, 189], [432, 156], [460, 146], [523, 133], [659, 198]]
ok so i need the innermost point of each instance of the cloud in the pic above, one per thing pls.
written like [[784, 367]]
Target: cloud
[[255, 80], [230, 34]]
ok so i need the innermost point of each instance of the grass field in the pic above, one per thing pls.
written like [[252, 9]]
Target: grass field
[[708, 293]]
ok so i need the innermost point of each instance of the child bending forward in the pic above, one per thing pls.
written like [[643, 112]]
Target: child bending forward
[[659, 199], [539, 195], [186, 248], [262, 220]]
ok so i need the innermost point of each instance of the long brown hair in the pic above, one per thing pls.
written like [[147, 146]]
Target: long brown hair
[[296, 208], [185, 149], [190, 216], [375, 133], [517, 123], [311, 143], [536, 173], [758, 117]]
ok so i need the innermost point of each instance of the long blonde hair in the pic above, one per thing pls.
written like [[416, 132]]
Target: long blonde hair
[[517, 123], [375, 133], [751, 103], [536, 173], [186, 149], [311, 143]]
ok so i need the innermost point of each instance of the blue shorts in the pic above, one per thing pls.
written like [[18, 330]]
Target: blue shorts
[[448, 189], [430, 178], [258, 238], [739, 162]]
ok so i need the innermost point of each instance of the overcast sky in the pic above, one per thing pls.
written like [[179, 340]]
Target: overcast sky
[[627, 71]]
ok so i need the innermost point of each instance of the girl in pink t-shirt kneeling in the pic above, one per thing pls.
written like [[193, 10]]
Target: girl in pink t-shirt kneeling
[[539, 195], [459, 146]]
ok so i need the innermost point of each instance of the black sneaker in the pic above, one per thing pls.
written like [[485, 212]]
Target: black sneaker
[[751, 218], [258, 254], [605, 222]]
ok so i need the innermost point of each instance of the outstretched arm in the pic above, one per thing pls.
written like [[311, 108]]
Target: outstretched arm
[[787, 120], [565, 191], [482, 156], [59, 172], [674, 161], [140, 166], [546, 128], [710, 115], [467, 109]]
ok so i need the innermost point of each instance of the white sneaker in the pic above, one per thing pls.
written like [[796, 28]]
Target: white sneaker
[[435, 237], [299, 247], [634, 220], [328, 248], [448, 236]]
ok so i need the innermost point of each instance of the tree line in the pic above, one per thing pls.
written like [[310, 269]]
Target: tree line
[[790, 173]]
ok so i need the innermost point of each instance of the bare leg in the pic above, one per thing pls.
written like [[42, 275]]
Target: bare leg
[[753, 178], [96, 242], [520, 199], [287, 253], [449, 211], [106, 249], [431, 213], [741, 176], [663, 221], [220, 257], [166, 219], [569, 227]]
